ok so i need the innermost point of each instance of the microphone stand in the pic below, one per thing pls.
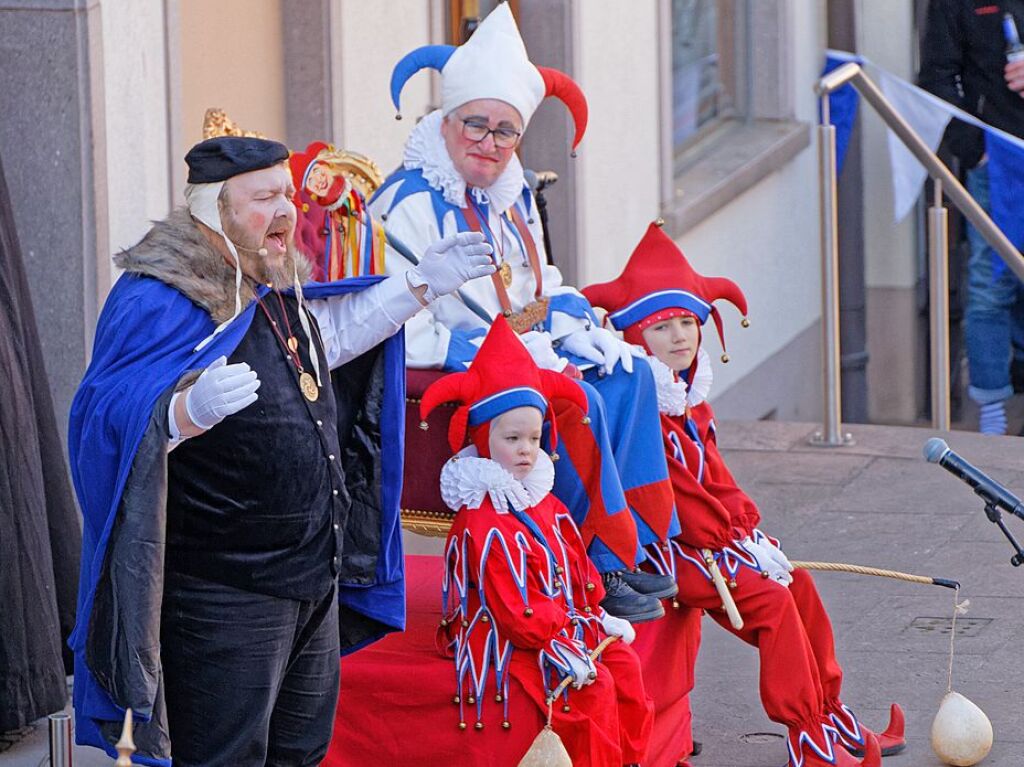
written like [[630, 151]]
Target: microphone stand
[[995, 516]]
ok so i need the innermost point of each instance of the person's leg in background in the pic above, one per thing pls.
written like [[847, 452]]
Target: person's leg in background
[[991, 293]]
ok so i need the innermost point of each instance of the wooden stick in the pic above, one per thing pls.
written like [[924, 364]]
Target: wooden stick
[[728, 603], [840, 567], [594, 655], [126, 745]]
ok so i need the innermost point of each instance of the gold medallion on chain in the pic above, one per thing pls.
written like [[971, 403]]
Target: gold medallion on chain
[[309, 388]]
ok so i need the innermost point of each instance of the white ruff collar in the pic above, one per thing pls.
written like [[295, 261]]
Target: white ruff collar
[[467, 479], [674, 396], [702, 379], [425, 150]]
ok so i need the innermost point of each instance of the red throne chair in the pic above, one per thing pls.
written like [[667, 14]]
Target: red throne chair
[[395, 705]]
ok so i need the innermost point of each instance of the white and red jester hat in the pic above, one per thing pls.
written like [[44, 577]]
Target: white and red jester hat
[[492, 64], [502, 377], [678, 290]]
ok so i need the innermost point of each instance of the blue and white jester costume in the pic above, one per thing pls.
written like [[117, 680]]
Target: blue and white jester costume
[[612, 465]]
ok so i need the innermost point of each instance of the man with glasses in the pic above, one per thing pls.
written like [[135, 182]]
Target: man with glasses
[[460, 173]]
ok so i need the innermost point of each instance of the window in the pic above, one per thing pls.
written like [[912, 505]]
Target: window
[[727, 102], [464, 16], [705, 62]]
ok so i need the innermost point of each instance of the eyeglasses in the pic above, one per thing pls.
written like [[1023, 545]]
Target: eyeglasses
[[476, 131]]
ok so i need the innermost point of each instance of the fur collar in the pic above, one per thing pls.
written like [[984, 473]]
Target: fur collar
[[177, 253], [425, 150], [467, 479]]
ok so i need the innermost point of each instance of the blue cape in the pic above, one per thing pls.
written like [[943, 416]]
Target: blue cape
[[145, 342]]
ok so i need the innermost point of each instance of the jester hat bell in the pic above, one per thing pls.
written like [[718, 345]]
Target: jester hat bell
[[502, 377], [492, 64], [658, 283]]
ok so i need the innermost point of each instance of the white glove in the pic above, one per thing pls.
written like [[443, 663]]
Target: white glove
[[450, 262], [538, 344], [671, 393], [601, 347], [582, 670], [765, 562], [618, 627], [777, 554], [220, 391]]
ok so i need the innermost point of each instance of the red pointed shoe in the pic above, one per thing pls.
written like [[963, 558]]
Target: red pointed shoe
[[819, 747], [851, 731]]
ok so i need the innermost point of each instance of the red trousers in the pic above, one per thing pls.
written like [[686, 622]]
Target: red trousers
[[791, 631], [609, 721]]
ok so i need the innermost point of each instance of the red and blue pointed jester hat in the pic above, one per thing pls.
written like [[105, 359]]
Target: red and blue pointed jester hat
[[678, 289], [502, 377], [492, 64]]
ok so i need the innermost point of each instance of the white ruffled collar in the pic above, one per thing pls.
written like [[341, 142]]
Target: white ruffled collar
[[467, 479], [674, 395], [425, 151], [700, 387]]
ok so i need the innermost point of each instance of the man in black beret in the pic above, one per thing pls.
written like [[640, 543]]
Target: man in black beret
[[236, 449]]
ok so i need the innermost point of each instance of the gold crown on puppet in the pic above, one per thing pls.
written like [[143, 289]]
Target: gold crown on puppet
[[503, 376], [492, 64], [657, 260]]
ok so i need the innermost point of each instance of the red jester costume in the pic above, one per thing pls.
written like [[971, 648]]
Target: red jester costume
[[521, 598], [783, 614]]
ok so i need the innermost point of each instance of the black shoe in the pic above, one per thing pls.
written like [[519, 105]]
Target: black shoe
[[650, 584], [622, 602], [697, 748]]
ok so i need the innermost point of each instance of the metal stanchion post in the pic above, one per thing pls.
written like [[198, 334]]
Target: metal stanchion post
[[831, 435], [60, 740], [938, 288]]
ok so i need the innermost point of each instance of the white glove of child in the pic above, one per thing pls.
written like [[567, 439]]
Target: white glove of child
[[582, 670], [618, 627], [765, 562], [777, 554], [538, 344], [671, 393], [221, 390], [448, 263], [600, 346]]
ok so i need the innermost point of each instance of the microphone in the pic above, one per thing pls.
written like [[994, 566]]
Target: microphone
[[538, 181], [262, 252], [937, 451]]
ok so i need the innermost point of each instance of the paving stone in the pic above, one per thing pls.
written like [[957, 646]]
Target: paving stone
[[762, 467]]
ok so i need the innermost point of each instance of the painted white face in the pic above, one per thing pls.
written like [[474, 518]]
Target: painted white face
[[674, 341], [257, 212], [514, 440], [480, 162]]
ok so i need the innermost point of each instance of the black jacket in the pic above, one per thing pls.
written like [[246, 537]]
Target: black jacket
[[963, 54]]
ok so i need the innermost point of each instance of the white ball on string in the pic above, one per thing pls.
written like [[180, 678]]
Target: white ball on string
[[961, 732]]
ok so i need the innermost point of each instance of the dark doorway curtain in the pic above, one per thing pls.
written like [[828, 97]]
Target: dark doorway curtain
[[40, 532]]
